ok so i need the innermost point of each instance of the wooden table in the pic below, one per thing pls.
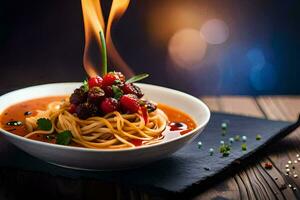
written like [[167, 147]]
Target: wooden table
[[253, 182]]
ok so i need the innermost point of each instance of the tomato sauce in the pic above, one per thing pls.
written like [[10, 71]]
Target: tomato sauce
[[179, 122]]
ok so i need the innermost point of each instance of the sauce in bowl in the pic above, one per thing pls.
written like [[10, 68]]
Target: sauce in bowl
[[13, 118]]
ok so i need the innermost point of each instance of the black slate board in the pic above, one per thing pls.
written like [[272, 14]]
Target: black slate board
[[184, 169]]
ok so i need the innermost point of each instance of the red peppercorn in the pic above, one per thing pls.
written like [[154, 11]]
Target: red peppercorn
[[72, 108], [108, 91], [130, 88], [268, 165], [109, 79], [129, 103], [109, 105], [95, 82]]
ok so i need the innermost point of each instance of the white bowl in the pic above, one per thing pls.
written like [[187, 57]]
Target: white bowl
[[93, 159]]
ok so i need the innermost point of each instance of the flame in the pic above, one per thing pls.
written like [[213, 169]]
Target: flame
[[93, 24], [118, 8]]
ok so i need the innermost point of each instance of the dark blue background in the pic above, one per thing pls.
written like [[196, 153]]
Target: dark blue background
[[42, 41]]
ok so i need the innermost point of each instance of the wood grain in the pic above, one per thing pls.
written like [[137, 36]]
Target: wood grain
[[255, 182]]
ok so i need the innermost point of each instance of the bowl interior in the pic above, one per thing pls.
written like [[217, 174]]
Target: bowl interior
[[187, 103]]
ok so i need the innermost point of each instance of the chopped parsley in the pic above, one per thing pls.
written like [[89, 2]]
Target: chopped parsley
[[244, 147], [64, 138], [258, 137], [225, 149], [44, 124], [117, 92], [85, 86], [237, 138]]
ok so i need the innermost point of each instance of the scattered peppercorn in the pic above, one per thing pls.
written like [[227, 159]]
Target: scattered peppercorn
[[14, 123], [244, 138], [27, 113], [199, 144], [258, 137], [268, 165], [224, 126], [244, 147], [295, 175], [237, 138], [211, 151]]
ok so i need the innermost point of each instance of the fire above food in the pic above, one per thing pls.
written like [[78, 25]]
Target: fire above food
[[105, 112]]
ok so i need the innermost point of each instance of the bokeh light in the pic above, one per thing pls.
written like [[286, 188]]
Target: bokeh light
[[256, 57], [215, 31], [187, 48], [263, 78], [166, 17]]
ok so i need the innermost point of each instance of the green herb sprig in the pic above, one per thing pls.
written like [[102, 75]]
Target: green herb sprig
[[137, 78], [85, 86], [103, 53], [225, 149], [64, 138], [44, 124], [118, 93]]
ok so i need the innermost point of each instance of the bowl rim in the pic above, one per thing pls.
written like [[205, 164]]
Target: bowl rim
[[64, 147]]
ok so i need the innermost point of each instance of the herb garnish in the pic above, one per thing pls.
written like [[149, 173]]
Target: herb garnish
[[118, 93], [244, 147], [44, 124], [225, 149], [237, 138], [64, 138], [258, 137], [103, 53], [85, 85], [137, 78]]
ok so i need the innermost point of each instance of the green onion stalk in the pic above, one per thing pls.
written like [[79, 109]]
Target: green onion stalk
[[103, 53]]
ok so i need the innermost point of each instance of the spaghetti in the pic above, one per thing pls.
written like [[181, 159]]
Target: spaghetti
[[112, 131]]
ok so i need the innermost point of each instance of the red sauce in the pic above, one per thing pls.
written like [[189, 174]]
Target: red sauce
[[180, 122]]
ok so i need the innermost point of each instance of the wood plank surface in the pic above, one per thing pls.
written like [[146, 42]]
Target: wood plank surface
[[255, 182]]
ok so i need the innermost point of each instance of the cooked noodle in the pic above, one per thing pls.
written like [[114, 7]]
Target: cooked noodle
[[113, 131]]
